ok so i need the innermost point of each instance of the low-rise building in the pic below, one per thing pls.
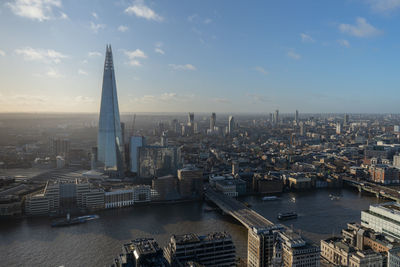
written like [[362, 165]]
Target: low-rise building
[[268, 185], [141, 193], [118, 198], [366, 259], [227, 187], [384, 174], [394, 257], [37, 205], [10, 206], [335, 251], [166, 187], [296, 252]]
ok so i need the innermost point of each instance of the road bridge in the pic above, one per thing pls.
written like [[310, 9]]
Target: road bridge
[[378, 190], [246, 216]]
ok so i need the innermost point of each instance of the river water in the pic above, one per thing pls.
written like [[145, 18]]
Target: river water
[[32, 242]]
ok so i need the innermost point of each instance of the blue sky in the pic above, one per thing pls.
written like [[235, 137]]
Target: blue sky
[[202, 56]]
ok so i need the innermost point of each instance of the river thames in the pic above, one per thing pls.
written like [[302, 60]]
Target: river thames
[[32, 242]]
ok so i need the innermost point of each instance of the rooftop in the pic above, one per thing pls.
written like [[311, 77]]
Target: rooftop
[[142, 246], [186, 238]]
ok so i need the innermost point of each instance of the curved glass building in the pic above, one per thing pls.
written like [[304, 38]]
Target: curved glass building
[[109, 139]]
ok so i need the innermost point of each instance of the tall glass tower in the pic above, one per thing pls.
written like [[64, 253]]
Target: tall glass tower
[[109, 139]]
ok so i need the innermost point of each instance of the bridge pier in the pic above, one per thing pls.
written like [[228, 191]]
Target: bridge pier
[[359, 188]]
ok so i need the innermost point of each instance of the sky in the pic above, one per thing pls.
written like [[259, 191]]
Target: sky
[[202, 55]]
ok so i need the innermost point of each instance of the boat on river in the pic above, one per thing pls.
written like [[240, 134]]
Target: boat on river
[[72, 221], [270, 198]]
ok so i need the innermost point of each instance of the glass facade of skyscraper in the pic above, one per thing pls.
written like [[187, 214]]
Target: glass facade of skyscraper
[[109, 139]]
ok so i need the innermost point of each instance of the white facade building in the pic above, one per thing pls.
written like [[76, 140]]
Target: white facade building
[[118, 198], [383, 218]]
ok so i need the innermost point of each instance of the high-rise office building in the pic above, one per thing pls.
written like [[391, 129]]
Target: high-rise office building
[[213, 120], [296, 116], [260, 247], [190, 182], [109, 139], [134, 144], [346, 120], [274, 246], [338, 128], [190, 118], [216, 249], [231, 124], [396, 161], [276, 117], [59, 146]]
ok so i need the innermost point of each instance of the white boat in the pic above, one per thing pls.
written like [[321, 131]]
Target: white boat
[[270, 198]]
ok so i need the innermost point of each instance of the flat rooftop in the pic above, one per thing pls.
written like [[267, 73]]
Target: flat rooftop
[[142, 246], [216, 236], [186, 238]]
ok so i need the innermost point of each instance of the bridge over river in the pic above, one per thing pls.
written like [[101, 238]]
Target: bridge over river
[[246, 216]]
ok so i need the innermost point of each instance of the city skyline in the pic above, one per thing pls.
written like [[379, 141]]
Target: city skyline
[[201, 57]]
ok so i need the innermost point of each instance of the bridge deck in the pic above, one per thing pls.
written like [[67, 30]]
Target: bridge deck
[[374, 188], [238, 210]]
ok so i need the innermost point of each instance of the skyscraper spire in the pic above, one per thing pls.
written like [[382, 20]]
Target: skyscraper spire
[[109, 138]]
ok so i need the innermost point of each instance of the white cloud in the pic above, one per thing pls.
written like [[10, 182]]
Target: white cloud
[[94, 54], [159, 50], [305, 38], [256, 98], [123, 28], [83, 99], [34, 9], [195, 18], [384, 5], [2, 53], [94, 14], [64, 16], [134, 55], [46, 56], [344, 43], [96, 27], [292, 54], [146, 99], [82, 72], [182, 67], [221, 100], [207, 21], [24, 99], [191, 18], [361, 29], [139, 9], [261, 70], [169, 97], [52, 73]]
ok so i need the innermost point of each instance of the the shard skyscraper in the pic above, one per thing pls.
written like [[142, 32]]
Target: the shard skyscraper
[[109, 139]]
